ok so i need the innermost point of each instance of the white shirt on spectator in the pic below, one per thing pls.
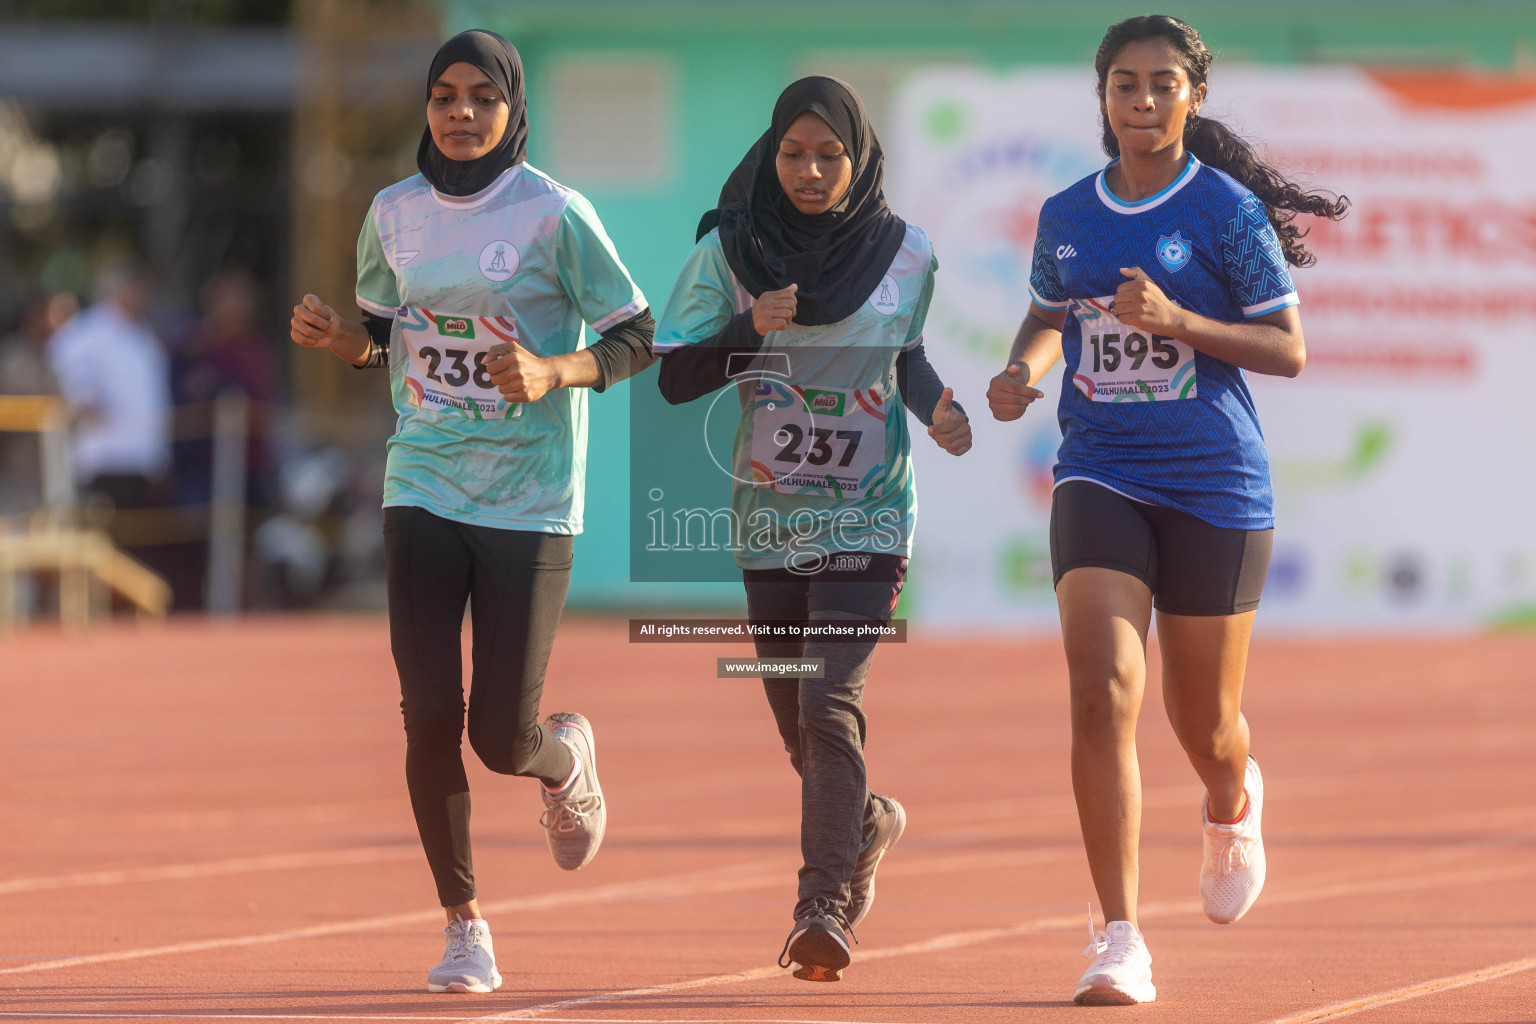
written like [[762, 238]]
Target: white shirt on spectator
[[115, 370]]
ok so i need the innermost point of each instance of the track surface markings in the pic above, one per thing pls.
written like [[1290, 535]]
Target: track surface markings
[[66, 1015], [956, 940], [1333, 1011]]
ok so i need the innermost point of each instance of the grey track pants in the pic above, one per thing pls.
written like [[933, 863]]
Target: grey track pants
[[822, 720]]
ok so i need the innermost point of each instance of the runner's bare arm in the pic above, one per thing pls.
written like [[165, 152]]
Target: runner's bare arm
[[1271, 343], [1035, 350], [317, 325]]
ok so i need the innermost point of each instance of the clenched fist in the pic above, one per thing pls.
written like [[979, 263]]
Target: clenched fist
[[951, 427], [314, 324], [1139, 302], [520, 375], [774, 310], [1009, 393]]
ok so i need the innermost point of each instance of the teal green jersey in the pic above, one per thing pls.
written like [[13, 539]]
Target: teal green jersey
[[822, 458], [526, 260]]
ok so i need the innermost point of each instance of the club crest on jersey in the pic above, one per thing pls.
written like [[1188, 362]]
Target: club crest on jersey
[[1173, 251], [886, 299], [498, 260]]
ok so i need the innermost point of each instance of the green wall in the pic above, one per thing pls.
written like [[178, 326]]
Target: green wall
[[728, 60]]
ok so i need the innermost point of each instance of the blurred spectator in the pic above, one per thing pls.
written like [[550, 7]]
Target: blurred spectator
[[24, 370], [227, 353], [113, 373]]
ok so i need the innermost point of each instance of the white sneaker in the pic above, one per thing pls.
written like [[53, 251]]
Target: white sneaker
[[576, 817], [1121, 972], [469, 962], [1233, 872]]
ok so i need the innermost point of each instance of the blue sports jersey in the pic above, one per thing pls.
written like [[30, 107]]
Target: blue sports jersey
[[1147, 415]]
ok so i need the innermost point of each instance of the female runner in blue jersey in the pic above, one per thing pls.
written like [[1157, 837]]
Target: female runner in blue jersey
[[808, 293], [474, 277], [1160, 280]]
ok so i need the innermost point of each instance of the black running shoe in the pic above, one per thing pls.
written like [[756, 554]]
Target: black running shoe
[[888, 830], [817, 944]]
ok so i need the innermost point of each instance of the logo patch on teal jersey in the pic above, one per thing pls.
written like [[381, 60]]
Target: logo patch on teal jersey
[[1173, 252], [455, 326], [498, 260], [886, 299]]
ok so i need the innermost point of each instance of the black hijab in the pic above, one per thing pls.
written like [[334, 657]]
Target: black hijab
[[837, 258], [499, 60]]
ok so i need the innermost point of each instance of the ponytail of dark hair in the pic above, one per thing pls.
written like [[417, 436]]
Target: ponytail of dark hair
[[1216, 145]]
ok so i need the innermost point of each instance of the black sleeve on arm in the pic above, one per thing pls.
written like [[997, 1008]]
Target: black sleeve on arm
[[624, 350], [919, 383], [378, 328], [693, 371]]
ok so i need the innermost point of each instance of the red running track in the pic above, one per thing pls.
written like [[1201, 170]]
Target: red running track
[[208, 822]]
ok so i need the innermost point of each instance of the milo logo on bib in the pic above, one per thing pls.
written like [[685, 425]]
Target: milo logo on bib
[[455, 326], [824, 403]]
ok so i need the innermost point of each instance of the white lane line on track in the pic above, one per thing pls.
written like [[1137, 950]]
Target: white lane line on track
[[97, 1015], [728, 880], [739, 877], [701, 883], [717, 880], [1156, 796], [1333, 1011], [735, 878], [213, 868], [955, 940]]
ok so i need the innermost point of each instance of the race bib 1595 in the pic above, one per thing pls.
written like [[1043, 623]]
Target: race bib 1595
[[1126, 364], [446, 356]]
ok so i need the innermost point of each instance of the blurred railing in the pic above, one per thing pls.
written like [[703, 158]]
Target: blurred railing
[[62, 538]]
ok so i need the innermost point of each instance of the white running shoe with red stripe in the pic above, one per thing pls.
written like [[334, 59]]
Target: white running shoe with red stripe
[[1232, 874]]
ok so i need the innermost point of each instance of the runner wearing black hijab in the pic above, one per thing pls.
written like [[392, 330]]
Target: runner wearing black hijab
[[475, 277], [808, 292]]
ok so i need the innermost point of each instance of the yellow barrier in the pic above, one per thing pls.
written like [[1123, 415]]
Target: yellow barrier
[[89, 568], [30, 413]]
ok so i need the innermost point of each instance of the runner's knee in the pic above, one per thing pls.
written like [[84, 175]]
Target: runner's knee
[[433, 724], [504, 748]]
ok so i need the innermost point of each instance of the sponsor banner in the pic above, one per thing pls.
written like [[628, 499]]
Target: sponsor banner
[[1402, 457]]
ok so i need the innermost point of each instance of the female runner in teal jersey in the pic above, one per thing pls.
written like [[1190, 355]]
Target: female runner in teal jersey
[[1160, 280], [808, 293], [475, 277]]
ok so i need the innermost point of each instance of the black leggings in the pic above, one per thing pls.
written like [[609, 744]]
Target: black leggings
[[515, 582]]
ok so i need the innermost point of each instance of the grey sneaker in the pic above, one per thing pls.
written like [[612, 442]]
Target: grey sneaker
[[888, 830], [817, 944], [469, 962], [574, 821]]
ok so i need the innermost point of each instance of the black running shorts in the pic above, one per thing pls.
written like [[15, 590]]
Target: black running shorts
[[1191, 567]]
